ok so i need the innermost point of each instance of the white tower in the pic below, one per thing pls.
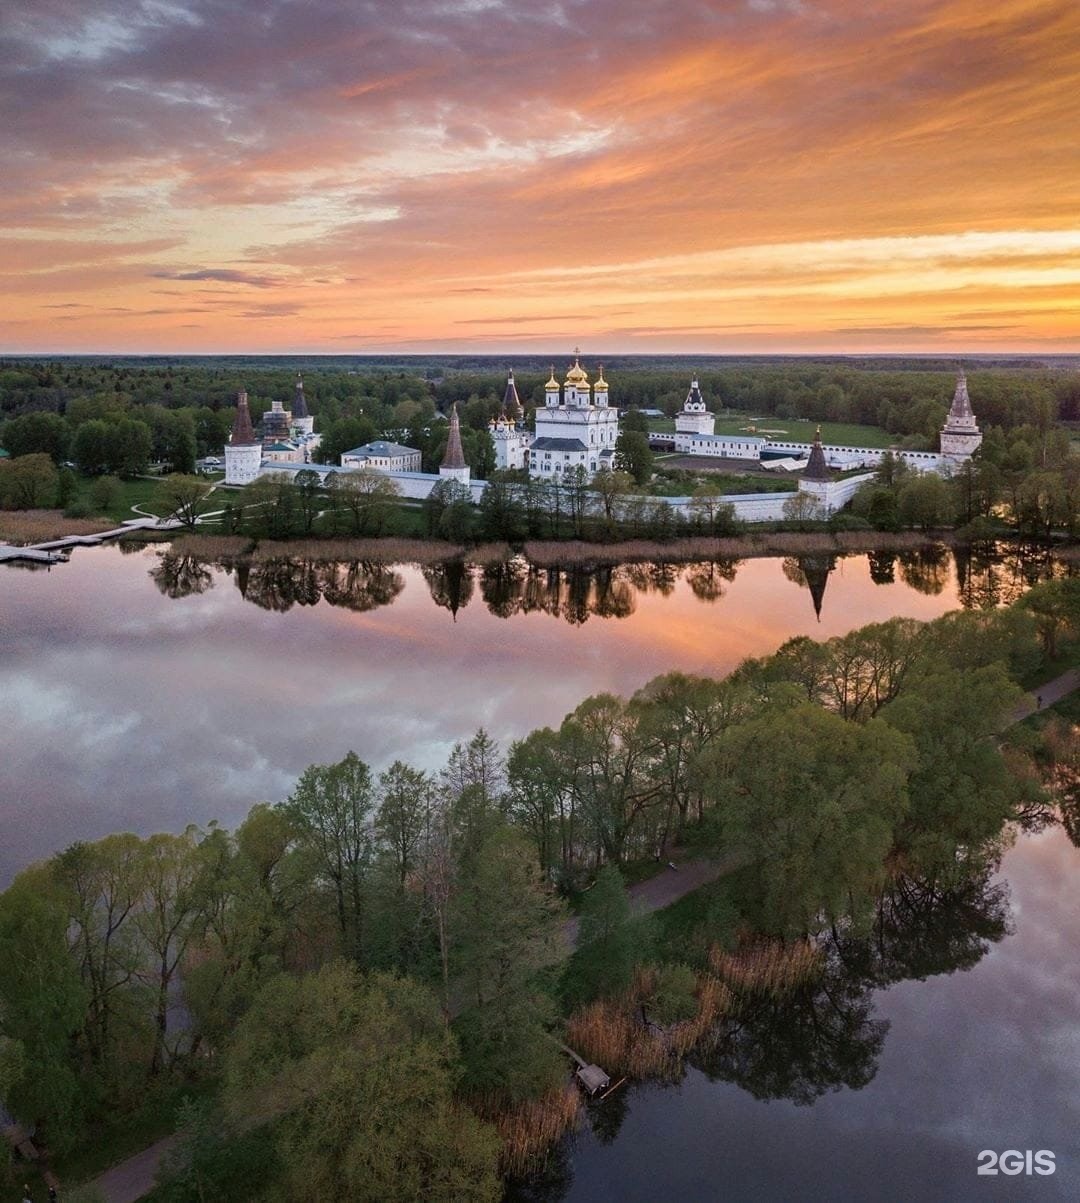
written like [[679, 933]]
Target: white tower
[[960, 436], [243, 452], [694, 417]]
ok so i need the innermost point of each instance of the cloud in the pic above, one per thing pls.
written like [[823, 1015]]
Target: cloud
[[223, 275], [690, 165]]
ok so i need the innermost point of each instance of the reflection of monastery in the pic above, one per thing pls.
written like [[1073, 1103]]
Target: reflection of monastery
[[576, 431]]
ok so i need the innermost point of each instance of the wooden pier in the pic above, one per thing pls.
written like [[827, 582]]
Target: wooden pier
[[52, 551]]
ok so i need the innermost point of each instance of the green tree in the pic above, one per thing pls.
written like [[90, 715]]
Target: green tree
[[183, 497], [506, 926], [343, 435], [634, 456], [607, 943], [367, 497], [105, 493], [331, 809], [812, 802], [357, 1076], [27, 483], [36, 432]]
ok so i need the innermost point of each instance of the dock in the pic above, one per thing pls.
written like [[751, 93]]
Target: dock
[[592, 1078], [53, 550]]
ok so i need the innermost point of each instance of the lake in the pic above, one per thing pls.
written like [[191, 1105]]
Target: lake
[[141, 692]]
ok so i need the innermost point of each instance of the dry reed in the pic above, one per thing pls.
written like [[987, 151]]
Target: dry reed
[[212, 547], [372, 551], [611, 1033], [766, 967], [23, 527], [530, 1128]]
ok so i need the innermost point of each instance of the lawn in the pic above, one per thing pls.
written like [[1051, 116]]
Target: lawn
[[837, 434]]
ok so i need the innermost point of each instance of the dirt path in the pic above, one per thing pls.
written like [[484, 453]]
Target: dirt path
[[131, 1180]]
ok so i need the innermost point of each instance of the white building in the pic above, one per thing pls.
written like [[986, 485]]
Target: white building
[[387, 457], [578, 429], [508, 431], [694, 417]]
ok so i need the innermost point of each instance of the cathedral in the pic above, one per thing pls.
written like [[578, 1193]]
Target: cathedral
[[575, 429]]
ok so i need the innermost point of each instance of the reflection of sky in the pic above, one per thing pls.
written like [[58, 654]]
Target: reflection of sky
[[983, 1059], [123, 709]]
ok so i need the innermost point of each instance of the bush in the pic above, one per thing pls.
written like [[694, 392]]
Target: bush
[[674, 995]]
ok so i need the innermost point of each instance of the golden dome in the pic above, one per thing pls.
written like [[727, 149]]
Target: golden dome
[[577, 374], [552, 383], [600, 381]]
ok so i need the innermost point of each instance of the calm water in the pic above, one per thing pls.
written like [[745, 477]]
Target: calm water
[[141, 693]]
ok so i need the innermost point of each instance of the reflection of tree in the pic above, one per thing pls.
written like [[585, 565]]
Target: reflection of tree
[[181, 576], [360, 586], [279, 584], [925, 570], [450, 583], [614, 596], [653, 576], [707, 579], [882, 567], [997, 574], [502, 585], [823, 1036], [819, 1038], [924, 928]]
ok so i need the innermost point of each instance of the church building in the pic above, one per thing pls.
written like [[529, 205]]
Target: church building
[[575, 430]]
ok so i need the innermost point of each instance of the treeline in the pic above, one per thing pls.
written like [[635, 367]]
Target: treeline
[[365, 968], [355, 406], [1031, 480]]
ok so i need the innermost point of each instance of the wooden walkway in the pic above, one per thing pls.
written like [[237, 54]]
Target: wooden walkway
[[53, 550]]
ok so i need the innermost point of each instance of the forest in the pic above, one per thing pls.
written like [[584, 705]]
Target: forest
[[385, 953]]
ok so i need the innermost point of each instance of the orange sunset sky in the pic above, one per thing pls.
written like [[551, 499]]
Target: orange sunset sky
[[470, 175]]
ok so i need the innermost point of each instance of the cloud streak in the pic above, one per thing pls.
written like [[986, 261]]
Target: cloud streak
[[456, 173]]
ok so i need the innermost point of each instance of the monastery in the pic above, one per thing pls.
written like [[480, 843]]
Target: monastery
[[577, 428]]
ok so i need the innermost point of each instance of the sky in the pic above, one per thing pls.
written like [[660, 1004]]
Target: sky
[[304, 176]]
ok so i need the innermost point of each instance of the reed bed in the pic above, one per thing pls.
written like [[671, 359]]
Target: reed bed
[[212, 547], [25, 527], [766, 967], [372, 551], [611, 1032], [529, 1129]]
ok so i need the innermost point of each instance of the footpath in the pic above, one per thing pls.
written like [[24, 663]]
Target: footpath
[[133, 1179]]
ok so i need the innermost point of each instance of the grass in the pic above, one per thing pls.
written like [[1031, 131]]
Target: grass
[[839, 434]]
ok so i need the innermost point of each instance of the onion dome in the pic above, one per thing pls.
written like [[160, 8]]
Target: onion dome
[[601, 383], [577, 374], [243, 433], [552, 385], [455, 456]]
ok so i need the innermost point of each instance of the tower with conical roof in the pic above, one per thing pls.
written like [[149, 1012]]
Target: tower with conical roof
[[816, 467], [453, 466], [302, 422], [507, 431], [960, 436], [243, 453], [512, 407]]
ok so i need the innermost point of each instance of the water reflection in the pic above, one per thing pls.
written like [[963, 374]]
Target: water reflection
[[988, 576]]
